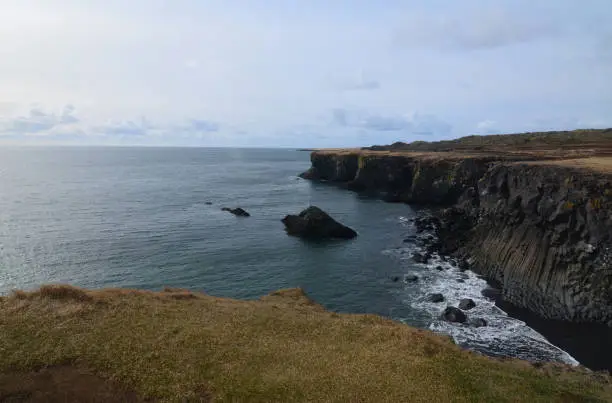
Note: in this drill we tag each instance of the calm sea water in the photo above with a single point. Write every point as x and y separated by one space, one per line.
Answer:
150 217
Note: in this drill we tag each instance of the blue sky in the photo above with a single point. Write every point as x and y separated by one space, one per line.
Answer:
299 74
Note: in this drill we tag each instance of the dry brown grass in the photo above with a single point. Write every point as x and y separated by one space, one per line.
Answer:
599 164
284 347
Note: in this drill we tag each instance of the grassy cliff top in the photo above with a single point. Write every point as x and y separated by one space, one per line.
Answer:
175 345
575 139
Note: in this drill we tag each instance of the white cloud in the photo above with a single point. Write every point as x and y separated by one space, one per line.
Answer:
417 124
481 28
208 69
37 122
486 127
360 82
191 64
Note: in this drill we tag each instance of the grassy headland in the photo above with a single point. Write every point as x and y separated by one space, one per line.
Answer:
182 346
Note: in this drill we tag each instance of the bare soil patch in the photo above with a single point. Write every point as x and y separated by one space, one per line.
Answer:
64 383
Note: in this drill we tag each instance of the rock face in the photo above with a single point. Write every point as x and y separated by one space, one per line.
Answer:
239 212
542 231
315 223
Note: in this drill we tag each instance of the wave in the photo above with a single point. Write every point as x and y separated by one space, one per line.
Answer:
503 336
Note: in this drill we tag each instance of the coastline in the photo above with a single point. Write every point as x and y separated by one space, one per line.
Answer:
533 225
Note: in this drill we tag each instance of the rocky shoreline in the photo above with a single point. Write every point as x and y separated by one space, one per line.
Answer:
540 229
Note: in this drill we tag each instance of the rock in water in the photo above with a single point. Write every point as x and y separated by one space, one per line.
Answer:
436 297
421 258
316 224
411 278
466 304
239 212
491 293
478 322
453 314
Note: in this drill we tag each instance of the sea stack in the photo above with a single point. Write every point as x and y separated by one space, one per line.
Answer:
315 223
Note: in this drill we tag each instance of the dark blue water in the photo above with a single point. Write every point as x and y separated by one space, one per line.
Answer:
138 217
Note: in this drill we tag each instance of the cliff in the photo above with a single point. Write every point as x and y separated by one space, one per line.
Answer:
64 344
540 227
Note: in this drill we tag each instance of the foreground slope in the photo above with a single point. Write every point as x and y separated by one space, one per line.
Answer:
181 346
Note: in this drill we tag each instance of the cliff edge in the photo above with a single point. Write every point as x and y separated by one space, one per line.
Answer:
537 220
61 343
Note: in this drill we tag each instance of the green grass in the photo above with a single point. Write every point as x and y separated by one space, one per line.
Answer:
176 345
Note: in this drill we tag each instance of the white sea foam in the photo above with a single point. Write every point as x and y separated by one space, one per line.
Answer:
503 335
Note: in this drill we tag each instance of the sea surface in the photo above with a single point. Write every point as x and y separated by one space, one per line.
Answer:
151 217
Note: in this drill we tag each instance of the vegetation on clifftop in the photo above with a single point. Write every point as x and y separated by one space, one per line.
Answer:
182 346
583 138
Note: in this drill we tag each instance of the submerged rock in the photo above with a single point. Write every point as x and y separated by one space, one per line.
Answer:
317 224
466 304
452 314
491 293
411 278
238 211
463 265
395 279
478 322
420 257
435 297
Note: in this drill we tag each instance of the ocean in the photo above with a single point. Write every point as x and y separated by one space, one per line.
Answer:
151 217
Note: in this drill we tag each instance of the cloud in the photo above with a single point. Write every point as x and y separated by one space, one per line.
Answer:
207 126
192 64
385 123
482 29
37 121
359 83
123 128
487 127
66 126
367 85
419 124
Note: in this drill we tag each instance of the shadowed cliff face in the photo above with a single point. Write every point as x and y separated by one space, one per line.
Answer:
544 232
399 178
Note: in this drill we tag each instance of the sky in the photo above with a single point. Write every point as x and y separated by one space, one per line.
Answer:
317 73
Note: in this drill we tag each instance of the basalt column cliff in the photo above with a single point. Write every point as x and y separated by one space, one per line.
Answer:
537 221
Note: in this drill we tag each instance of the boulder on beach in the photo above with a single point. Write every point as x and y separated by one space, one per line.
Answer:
238 211
452 314
316 224
466 304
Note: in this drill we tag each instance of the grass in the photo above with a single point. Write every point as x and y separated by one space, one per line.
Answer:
599 164
580 138
177 345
